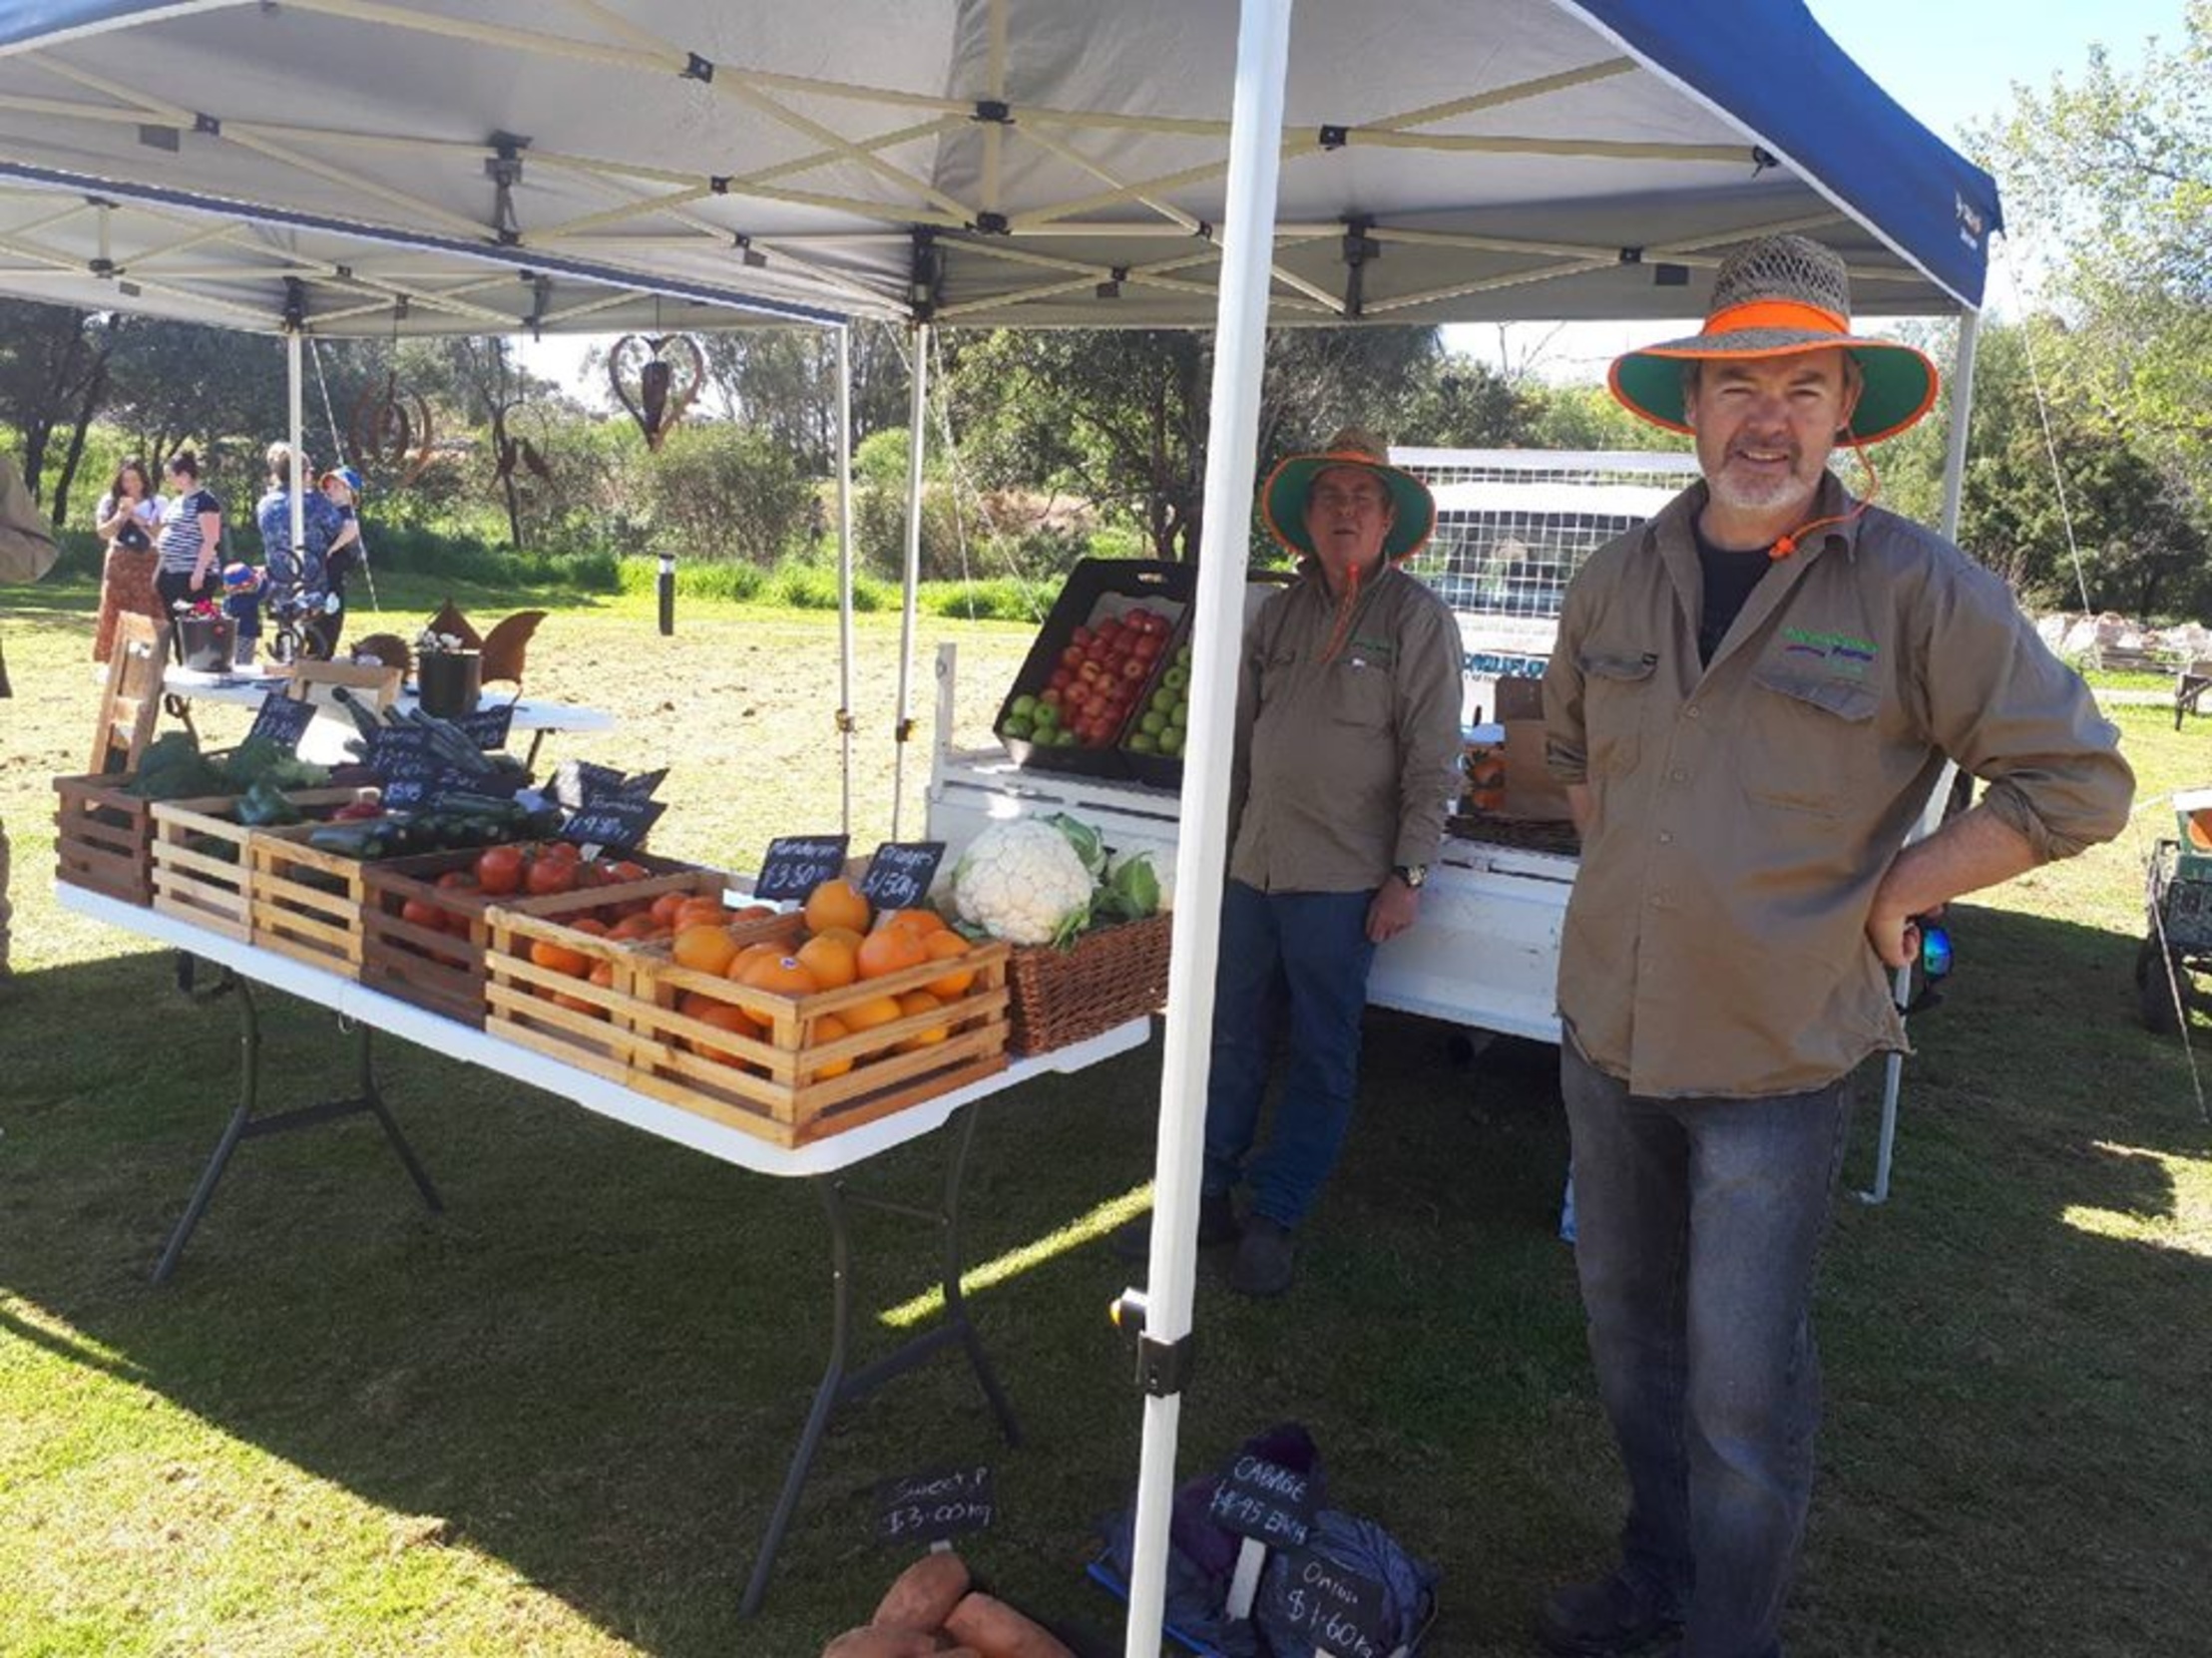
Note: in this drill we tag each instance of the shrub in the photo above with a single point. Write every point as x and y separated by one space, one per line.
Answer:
726 492
1002 598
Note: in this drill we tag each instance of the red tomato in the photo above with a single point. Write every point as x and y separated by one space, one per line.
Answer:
499 869
458 880
624 870
420 912
551 875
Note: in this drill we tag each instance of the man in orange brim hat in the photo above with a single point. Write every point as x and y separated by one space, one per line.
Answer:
1750 703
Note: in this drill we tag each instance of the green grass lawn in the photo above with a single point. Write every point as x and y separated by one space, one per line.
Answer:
553 1419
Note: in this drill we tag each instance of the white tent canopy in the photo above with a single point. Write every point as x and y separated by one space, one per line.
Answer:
1011 162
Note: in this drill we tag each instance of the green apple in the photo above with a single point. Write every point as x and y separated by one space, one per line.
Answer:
1024 706
1046 718
1177 678
1170 740
1153 722
1143 743
1017 729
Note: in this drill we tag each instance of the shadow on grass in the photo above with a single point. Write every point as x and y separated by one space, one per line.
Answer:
594 1367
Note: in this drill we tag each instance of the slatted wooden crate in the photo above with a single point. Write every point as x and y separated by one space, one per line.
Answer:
202 868
442 967
636 1029
306 903
104 838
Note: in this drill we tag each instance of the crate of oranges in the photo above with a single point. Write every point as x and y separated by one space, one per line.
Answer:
423 926
791 1025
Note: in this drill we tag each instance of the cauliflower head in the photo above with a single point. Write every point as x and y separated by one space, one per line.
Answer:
1020 881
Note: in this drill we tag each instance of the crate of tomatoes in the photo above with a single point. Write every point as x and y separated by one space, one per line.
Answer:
423 926
1085 678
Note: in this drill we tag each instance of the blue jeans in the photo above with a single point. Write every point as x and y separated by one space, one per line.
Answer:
1699 1222
1304 954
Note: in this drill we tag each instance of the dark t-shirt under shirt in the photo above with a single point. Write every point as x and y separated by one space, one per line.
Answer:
1729 578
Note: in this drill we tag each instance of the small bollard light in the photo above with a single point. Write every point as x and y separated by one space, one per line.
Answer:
665 587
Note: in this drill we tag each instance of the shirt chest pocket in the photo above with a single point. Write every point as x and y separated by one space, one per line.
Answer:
1806 742
1615 697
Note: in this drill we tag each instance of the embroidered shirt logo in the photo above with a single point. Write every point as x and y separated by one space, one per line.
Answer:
1834 648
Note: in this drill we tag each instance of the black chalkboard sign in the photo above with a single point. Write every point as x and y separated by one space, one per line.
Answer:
574 782
641 786
1264 1502
485 727
797 864
899 874
1337 1611
615 822
283 720
930 1508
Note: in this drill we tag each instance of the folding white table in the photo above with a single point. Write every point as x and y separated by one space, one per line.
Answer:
821 1161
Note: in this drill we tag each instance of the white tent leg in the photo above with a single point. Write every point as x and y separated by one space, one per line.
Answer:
917 439
844 573
295 387
1202 848
1931 815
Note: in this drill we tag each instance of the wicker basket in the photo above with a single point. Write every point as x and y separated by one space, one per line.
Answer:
1109 977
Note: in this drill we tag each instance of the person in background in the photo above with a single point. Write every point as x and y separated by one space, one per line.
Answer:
27 552
341 487
242 603
296 573
190 540
1750 703
128 518
1347 757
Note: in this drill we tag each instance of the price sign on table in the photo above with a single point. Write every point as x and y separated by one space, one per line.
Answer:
1342 1614
643 785
487 727
899 874
283 720
615 822
935 1507
575 783
797 864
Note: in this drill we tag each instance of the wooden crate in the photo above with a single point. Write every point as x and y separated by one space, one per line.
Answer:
631 1030
443 969
104 838
306 903
198 884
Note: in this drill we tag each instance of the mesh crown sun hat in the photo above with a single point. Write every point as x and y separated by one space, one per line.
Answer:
1282 499
1773 298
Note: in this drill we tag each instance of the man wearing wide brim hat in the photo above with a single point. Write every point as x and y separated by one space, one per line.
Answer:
1750 701
1347 746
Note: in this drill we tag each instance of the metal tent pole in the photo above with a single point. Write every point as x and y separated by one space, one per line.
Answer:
1201 847
844 570
916 439
293 389
1931 815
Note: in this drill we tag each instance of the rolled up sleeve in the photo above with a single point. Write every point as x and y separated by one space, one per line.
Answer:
2015 718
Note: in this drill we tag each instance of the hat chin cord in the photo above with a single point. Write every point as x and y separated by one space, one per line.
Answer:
1788 543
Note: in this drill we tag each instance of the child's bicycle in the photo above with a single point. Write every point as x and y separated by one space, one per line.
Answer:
294 614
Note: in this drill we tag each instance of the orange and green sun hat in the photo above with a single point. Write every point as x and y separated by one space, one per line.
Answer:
1283 498
1776 297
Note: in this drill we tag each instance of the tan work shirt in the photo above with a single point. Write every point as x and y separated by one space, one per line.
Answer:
1744 813
1344 767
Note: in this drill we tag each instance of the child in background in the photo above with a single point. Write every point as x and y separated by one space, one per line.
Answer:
242 601
341 487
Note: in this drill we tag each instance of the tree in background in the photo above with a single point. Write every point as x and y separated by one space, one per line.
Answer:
783 382
54 377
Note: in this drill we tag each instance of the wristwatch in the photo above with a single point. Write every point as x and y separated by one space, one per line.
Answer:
1412 874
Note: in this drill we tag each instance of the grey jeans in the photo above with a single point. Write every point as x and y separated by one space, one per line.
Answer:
1699 1223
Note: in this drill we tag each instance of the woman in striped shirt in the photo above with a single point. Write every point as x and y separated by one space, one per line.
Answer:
191 537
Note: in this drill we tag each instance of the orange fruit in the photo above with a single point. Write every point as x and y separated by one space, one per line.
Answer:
890 950
724 1017
752 912
576 1005
844 934
943 947
836 904
698 912
634 927
780 975
666 906
603 974
559 958
924 922
703 947
832 959
866 1016
920 1002
589 924
828 1029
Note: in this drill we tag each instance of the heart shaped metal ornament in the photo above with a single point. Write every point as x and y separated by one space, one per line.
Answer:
655 377
391 433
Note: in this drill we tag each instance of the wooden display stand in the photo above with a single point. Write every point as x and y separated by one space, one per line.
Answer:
132 702
203 858
370 682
